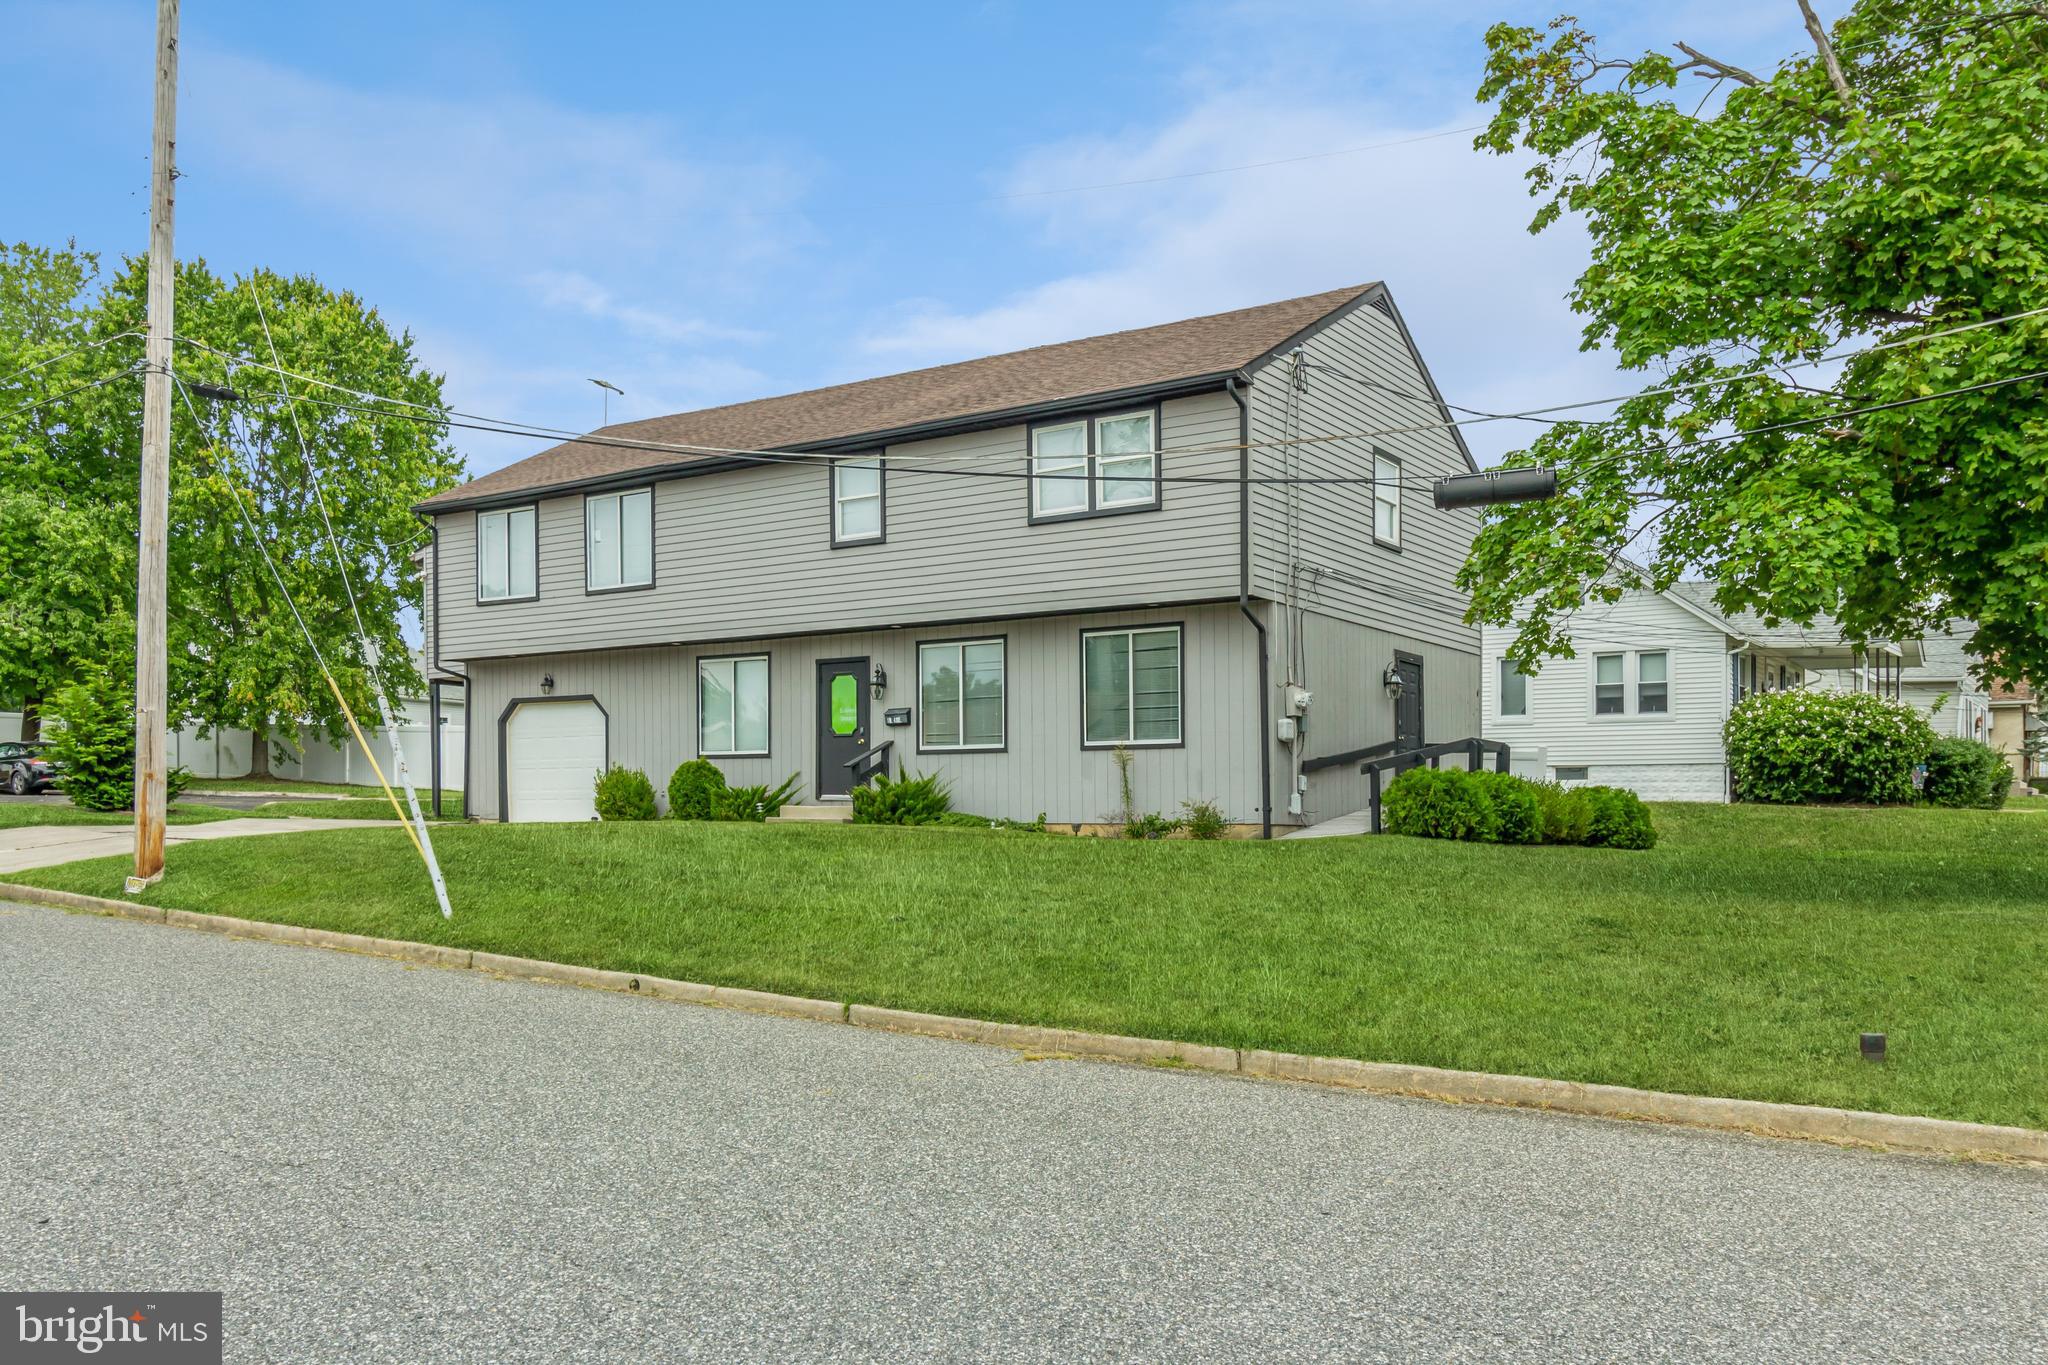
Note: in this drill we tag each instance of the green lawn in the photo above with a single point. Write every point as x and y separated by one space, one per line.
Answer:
361 807
280 784
15 814
1740 957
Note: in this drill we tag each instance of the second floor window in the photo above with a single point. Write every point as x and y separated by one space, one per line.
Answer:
1386 499
618 543
505 553
1095 464
856 501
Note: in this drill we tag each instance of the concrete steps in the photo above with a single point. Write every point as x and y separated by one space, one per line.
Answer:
837 813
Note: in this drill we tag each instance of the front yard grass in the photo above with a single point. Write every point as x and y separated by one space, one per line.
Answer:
361 807
1740 957
15 814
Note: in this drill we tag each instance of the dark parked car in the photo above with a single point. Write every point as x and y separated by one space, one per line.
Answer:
26 768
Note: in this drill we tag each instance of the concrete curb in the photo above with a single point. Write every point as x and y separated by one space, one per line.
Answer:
1895 1132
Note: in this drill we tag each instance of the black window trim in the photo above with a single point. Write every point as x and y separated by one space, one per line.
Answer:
917 717
476 536
881 536
697 663
1089 420
1180 678
653 567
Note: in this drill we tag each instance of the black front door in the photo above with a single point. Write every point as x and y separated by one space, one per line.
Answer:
842 723
1408 706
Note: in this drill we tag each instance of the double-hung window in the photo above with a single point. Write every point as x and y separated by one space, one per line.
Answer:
1653 683
960 694
1131 686
505 553
732 706
618 540
1514 689
1095 464
1610 692
1386 500
856 501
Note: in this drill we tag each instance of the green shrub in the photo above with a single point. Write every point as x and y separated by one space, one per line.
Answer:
1618 818
1966 772
1567 814
1151 825
1203 820
908 800
1438 803
1801 746
695 790
1517 810
94 740
755 803
624 794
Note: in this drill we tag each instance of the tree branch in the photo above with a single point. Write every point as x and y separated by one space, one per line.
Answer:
1827 52
1699 58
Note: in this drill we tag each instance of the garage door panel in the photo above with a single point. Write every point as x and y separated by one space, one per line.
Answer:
554 751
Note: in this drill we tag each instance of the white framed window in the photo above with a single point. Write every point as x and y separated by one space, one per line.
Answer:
732 706
618 540
1386 499
961 694
857 516
1131 686
1514 689
505 555
1653 683
1610 691
1095 464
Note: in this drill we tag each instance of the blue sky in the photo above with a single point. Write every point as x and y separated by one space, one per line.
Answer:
705 204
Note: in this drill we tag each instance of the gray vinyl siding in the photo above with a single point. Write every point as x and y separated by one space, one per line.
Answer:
749 552
1343 573
650 696
1345 663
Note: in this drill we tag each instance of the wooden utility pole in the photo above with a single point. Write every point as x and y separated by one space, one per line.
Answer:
152 702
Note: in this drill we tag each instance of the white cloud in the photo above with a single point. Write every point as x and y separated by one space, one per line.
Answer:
578 292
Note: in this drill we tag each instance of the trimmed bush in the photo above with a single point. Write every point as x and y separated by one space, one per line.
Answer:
1438 803
1966 772
1566 813
755 803
1617 818
695 790
1517 810
1791 748
94 740
624 794
908 800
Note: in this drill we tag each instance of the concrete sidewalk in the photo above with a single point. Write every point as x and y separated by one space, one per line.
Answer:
48 845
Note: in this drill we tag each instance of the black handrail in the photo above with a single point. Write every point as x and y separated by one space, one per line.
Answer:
1310 765
867 764
1401 762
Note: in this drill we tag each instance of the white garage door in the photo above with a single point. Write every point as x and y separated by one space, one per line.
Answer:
554 751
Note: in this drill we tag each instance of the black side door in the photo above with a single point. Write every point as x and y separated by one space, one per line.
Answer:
842 723
1408 707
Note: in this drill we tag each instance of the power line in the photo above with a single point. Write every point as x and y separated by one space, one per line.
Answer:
66 355
26 408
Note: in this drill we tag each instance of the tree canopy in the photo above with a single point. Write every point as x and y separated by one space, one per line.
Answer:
1873 195
70 435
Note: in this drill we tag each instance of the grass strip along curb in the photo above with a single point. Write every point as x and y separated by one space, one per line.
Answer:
1899 1132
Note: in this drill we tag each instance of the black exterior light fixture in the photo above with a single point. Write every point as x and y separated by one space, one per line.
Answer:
1391 680
879 682
1872 1046
1495 486
547 683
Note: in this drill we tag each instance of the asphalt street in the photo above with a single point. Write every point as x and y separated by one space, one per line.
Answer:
376 1162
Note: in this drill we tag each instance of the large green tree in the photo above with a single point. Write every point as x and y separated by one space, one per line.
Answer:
1883 187
243 482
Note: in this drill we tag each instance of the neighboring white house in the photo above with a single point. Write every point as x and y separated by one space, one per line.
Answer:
1643 704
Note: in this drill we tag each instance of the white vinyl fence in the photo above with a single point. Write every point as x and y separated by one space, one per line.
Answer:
226 753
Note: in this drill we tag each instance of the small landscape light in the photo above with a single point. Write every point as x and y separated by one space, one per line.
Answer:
1872 1045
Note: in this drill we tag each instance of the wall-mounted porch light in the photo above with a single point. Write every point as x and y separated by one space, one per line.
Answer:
1391 680
547 683
879 682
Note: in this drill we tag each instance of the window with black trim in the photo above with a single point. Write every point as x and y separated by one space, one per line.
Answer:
1386 499
732 706
618 540
505 554
1095 464
960 694
1130 686
856 501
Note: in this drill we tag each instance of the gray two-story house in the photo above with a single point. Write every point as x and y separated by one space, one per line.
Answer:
1209 542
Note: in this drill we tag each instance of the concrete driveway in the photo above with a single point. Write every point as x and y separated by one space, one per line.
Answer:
378 1162
48 845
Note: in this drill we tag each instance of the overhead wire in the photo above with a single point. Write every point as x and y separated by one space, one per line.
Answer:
48 361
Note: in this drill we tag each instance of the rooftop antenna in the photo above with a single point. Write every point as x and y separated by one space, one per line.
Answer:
609 390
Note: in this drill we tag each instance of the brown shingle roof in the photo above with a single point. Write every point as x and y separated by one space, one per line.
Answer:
1146 357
